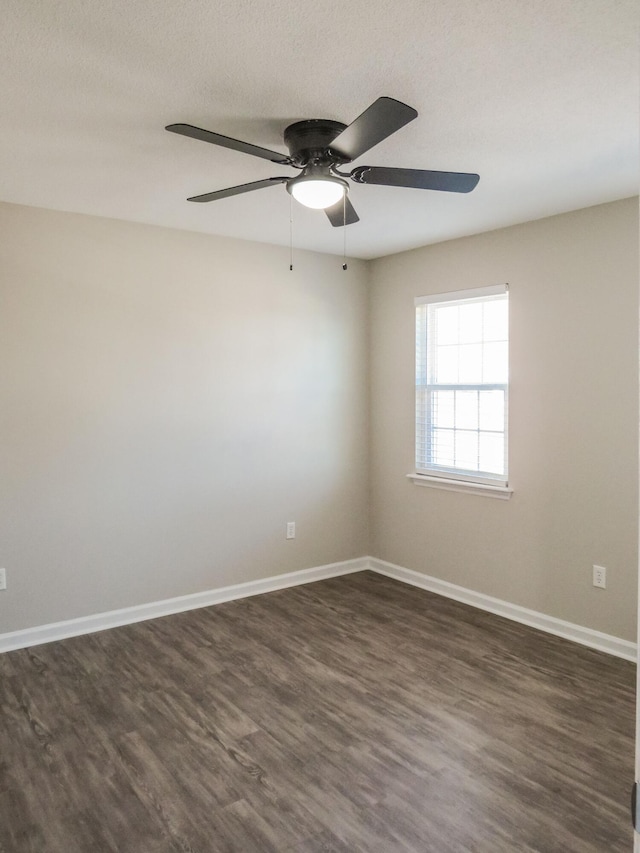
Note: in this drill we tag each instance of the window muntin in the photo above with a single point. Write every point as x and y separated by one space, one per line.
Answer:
462 342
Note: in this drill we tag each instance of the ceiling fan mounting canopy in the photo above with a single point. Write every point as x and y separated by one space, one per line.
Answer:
318 146
309 141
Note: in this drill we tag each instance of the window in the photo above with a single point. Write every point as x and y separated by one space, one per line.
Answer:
462 359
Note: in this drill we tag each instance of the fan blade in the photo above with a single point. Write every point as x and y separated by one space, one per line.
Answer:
381 119
342 213
242 188
227 142
421 179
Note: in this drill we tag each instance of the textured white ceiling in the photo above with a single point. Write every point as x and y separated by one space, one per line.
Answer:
540 97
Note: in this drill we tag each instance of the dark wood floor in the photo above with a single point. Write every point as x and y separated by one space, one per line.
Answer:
354 714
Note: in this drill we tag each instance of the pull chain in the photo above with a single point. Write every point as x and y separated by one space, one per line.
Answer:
290 233
344 230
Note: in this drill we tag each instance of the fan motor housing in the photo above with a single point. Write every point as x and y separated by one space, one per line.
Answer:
308 141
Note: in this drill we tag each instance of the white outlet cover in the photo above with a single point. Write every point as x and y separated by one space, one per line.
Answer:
600 577
3 578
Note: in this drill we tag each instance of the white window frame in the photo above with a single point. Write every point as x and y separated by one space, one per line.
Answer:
453 478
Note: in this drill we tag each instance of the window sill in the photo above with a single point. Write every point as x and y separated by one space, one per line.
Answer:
500 492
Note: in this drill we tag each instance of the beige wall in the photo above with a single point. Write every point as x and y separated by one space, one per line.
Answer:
573 419
168 401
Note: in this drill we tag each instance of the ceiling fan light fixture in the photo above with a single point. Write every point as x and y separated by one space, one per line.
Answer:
317 192
319 147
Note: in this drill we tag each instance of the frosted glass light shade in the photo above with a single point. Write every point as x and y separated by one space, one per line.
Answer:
317 193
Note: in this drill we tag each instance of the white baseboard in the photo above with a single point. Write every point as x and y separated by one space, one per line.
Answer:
585 636
128 615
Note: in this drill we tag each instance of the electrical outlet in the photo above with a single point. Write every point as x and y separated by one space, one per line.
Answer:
3 578
600 577
291 530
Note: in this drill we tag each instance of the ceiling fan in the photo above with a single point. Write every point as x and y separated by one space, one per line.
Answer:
320 147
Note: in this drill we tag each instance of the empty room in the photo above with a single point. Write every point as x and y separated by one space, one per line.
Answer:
319 427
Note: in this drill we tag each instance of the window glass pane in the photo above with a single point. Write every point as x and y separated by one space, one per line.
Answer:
470 364
466 444
461 348
421 345
471 323
446 365
421 408
466 409
446 324
421 367
491 410
443 408
491 446
494 363
442 447
495 320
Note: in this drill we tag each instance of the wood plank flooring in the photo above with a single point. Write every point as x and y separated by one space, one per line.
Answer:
355 715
